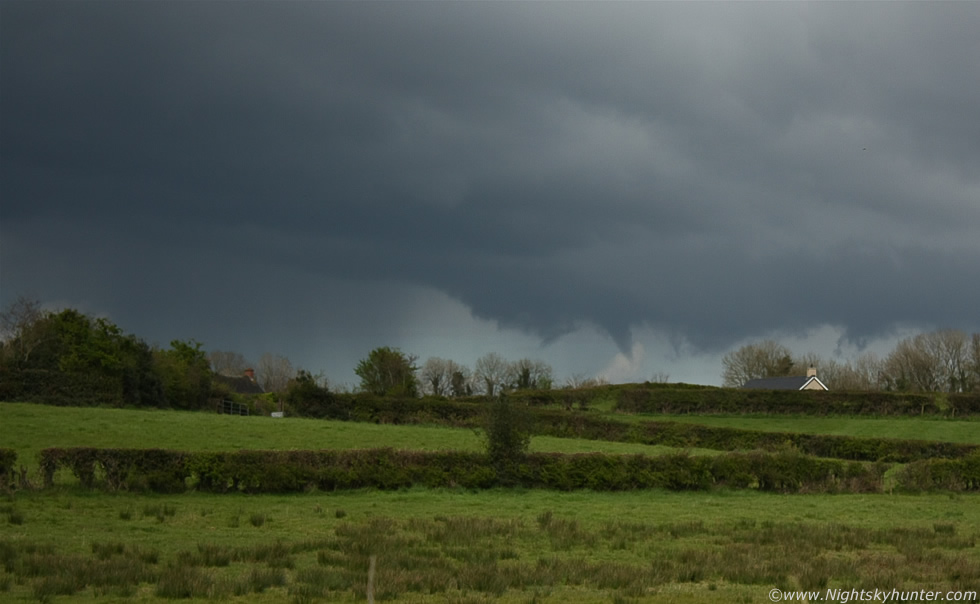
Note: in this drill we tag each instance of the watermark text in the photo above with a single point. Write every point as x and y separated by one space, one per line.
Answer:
871 595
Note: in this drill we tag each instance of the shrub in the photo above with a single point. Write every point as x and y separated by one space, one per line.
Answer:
941 474
507 433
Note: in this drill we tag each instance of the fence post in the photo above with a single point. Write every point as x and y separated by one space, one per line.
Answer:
370 585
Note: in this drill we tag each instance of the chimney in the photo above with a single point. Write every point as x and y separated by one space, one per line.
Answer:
250 374
811 372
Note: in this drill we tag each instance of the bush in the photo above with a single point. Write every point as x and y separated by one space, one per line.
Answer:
507 433
941 474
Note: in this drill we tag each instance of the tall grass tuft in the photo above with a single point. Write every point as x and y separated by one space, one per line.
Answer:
181 582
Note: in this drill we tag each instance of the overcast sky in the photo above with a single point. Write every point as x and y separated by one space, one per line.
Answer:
624 189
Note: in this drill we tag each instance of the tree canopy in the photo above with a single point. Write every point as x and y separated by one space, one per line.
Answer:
388 372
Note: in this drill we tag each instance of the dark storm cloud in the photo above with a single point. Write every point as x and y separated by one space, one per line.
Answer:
716 171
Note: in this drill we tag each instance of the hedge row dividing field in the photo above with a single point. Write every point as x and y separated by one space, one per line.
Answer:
302 526
668 400
683 435
158 470
564 423
165 471
567 423
593 426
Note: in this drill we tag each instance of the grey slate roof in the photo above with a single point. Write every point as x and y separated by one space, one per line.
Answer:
790 382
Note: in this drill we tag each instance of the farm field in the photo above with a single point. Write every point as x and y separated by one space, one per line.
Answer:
68 544
904 428
29 428
498 545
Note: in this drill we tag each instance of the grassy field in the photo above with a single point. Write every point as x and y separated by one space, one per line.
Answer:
66 544
905 428
500 545
29 428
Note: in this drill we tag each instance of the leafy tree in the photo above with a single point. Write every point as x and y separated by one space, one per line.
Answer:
103 363
388 372
185 374
309 396
508 433
141 384
87 344
460 383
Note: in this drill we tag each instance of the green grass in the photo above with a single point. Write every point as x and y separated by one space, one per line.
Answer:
939 429
498 545
29 428
513 546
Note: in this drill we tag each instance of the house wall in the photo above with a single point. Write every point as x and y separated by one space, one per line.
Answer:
813 385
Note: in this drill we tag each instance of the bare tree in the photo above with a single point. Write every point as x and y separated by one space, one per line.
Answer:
868 369
861 374
226 362
974 362
909 367
660 377
938 361
436 377
274 371
835 374
581 381
530 374
491 372
752 361
444 377
948 348
20 328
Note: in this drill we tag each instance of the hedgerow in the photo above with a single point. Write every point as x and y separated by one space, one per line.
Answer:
389 410
296 471
567 424
682 435
941 474
639 399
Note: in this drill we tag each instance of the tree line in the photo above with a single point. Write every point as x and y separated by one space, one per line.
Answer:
946 360
390 372
68 356
92 357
